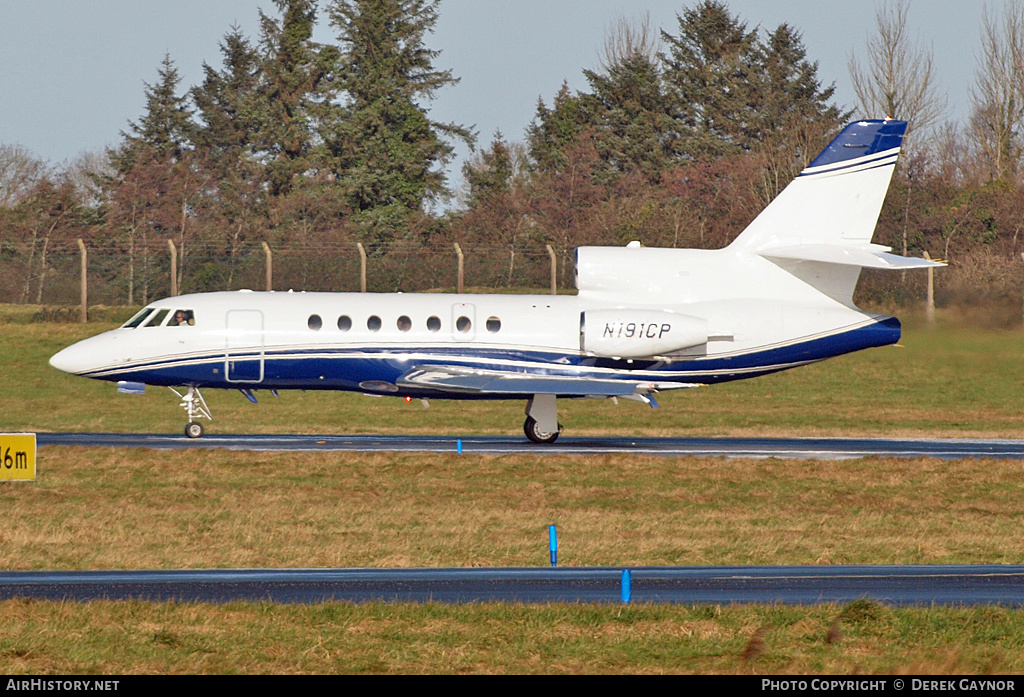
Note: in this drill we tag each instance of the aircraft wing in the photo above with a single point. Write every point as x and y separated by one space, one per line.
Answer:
458 379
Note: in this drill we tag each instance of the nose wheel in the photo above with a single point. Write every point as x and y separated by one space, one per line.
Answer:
195 407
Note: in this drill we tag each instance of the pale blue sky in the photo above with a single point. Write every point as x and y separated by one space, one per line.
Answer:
72 71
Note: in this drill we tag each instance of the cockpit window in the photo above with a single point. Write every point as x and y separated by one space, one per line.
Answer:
182 318
137 319
157 319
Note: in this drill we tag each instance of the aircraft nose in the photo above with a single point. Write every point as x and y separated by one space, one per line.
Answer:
67 360
75 359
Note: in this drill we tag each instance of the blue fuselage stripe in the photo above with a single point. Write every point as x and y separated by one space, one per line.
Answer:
345 367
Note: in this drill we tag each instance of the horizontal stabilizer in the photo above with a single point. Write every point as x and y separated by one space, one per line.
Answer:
461 380
869 256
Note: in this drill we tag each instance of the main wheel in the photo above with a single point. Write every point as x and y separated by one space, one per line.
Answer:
535 434
193 429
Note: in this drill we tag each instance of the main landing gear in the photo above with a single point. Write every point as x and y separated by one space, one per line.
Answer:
195 406
534 432
541 424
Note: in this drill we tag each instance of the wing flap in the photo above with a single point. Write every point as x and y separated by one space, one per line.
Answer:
461 380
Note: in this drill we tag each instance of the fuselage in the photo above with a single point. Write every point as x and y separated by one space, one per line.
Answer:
366 341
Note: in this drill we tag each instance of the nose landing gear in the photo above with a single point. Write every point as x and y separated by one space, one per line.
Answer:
195 406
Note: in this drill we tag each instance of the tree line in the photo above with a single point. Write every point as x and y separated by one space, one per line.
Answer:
679 138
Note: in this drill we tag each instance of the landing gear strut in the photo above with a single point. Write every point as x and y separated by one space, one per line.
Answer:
541 424
195 406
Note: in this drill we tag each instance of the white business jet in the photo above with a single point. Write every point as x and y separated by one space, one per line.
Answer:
645 320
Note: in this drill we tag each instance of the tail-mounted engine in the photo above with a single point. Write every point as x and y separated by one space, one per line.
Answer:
610 273
639 333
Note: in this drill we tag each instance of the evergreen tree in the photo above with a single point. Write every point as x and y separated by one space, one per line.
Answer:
792 90
387 155
297 87
165 130
624 110
230 108
718 90
490 172
796 118
227 101
713 76
626 107
157 163
554 129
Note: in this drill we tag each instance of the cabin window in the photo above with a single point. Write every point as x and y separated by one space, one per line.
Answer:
463 324
373 323
493 325
314 322
182 318
137 319
434 324
404 323
158 318
344 323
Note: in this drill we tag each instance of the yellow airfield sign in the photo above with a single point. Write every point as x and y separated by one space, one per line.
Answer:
17 456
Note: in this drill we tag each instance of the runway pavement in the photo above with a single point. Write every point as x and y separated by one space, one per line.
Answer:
805 448
896 585
891 585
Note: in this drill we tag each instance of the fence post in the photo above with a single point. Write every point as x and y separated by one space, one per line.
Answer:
929 308
362 267
174 267
458 252
554 271
270 265
85 281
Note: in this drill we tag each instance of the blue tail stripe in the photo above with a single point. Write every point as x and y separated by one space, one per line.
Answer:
861 139
854 165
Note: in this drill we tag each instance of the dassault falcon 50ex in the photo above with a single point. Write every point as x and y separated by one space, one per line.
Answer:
644 320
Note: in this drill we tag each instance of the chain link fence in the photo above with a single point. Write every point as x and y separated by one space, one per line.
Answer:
52 275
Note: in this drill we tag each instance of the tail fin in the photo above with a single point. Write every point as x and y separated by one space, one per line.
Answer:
837 198
828 214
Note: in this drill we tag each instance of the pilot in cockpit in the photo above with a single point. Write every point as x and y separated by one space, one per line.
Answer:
182 318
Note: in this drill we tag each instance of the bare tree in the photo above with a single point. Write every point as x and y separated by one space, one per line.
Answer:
87 172
997 115
898 80
20 170
626 38
952 157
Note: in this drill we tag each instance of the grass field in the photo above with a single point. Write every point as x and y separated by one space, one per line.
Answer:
860 639
104 508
